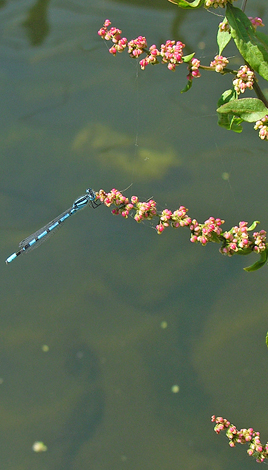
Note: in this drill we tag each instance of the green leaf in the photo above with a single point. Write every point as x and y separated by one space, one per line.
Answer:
253 225
262 37
250 45
229 121
188 86
248 109
187 58
223 38
259 264
267 339
185 4
227 96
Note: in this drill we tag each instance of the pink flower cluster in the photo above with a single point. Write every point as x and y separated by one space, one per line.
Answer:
114 35
259 241
219 63
136 46
145 210
193 68
221 423
224 27
244 79
256 21
175 219
262 127
151 58
204 233
242 436
236 240
171 52
123 206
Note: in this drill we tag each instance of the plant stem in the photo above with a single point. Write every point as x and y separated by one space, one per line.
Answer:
244 5
260 94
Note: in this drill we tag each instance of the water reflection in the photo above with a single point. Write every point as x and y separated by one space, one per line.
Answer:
86 407
36 24
115 148
81 425
82 363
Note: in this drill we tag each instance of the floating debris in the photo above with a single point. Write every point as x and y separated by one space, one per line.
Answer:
39 446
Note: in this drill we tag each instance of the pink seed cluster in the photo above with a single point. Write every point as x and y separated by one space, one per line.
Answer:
145 210
224 27
114 35
256 21
174 219
193 68
204 233
122 203
244 79
236 240
259 241
151 58
242 436
219 63
170 53
262 127
137 46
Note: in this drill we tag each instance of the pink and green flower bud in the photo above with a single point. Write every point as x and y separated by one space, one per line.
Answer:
256 21
160 228
136 46
171 53
244 79
193 67
115 211
262 126
224 27
219 63
134 199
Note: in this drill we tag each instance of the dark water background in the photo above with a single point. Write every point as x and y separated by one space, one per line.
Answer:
97 293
